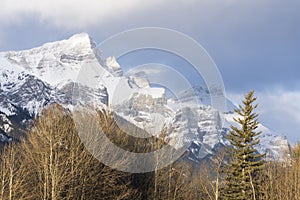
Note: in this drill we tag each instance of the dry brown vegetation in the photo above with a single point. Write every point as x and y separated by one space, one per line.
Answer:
282 179
51 162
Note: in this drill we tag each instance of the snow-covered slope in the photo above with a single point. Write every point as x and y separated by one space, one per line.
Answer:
273 144
32 79
54 63
36 77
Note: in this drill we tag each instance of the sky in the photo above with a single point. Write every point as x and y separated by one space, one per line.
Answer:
255 44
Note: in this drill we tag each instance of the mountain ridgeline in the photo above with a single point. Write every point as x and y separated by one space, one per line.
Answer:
33 79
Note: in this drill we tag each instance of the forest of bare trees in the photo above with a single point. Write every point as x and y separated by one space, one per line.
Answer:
51 162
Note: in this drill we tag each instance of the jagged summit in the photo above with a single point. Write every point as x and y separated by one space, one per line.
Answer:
203 96
53 62
77 41
83 39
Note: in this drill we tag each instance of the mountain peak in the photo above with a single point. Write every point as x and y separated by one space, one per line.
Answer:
53 62
83 38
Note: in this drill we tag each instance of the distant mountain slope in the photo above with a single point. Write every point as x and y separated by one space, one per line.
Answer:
32 79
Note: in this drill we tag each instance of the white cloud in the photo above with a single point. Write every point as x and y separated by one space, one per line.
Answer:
79 14
147 70
163 75
71 13
281 102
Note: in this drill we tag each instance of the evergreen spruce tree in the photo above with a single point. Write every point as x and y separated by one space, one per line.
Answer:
245 163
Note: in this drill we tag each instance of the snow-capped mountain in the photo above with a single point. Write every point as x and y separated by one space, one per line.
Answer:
32 79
